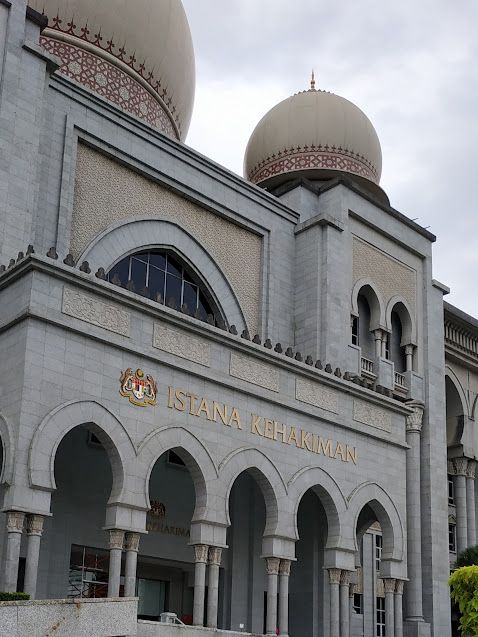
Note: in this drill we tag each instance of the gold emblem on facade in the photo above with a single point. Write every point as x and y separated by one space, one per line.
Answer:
141 390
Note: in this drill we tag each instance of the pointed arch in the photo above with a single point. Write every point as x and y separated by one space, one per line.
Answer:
195 456
270 483
125 237
59 422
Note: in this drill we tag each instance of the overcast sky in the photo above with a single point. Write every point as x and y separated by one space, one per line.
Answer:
412 67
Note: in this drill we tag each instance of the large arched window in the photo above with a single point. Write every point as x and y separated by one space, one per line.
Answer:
163 277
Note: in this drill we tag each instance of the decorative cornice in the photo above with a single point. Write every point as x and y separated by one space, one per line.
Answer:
313 157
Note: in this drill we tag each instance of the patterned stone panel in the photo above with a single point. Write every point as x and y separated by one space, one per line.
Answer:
106 192
389 275
317 395
88 308
252 371
181 344
372 415
110 82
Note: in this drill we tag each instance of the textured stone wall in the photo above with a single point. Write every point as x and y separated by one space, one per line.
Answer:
389 275
106 192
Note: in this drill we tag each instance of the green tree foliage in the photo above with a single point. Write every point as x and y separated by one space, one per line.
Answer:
464 591
13 597
468 557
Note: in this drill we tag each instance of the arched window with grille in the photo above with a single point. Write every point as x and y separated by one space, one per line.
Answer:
162 276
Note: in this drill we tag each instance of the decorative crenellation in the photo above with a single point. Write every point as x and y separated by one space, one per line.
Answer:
415 418
461 466
131 541
272 565
312 157
284 567
35 524
201 553
334 575
15 520
116 539
215 555
389 584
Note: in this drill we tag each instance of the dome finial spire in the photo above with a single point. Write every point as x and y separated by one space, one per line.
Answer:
312 81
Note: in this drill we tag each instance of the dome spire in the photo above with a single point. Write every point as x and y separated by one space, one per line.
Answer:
312 81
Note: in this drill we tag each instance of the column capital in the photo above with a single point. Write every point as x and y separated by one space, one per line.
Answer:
272 565
345 577
15 520
471 469
450 467
131 541
215 555
35 524
409 349
389 584
352 589
415 419
334 575
399 583
201 553
116 539
284 567
460 465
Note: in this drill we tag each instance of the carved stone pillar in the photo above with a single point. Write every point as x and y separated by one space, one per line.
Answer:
389 585
116 549
272 569
470 503
351 607
201 552
334 585
131 548
461 465
15 521
398 608
414 601
379 343
345 577
34 532
284 573
215 555
409 357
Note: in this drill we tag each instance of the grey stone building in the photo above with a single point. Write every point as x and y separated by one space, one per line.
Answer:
226 397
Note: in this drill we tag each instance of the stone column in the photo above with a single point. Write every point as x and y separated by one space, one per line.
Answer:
389 585
284 573
398 608
344 603
470 503
414 602
272 568
15 521
334 584
200 557
351 607
461 465
34 532
116 549
379 345
409 357
131 547
215 554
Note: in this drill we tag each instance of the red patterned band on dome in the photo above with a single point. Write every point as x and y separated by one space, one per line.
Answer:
310 158
110 82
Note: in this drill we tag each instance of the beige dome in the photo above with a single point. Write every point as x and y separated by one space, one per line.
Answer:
314 134
138 54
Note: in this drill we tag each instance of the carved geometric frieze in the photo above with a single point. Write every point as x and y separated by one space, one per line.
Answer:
181 344
90 309
372 415
252 371
318 395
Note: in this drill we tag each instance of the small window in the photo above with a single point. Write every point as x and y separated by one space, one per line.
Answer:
451 490
380 617
378 551
355 330
358 603
452 537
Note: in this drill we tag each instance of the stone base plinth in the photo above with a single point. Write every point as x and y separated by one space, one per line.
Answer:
416 629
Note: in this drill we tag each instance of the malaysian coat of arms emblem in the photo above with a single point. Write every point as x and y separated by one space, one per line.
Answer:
141 390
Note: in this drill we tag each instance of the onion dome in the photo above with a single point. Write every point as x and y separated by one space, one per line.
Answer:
138 55
313 134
